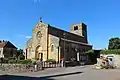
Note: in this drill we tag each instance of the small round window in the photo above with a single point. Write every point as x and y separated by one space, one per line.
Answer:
39 35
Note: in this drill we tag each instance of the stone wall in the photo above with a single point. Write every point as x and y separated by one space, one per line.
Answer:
17 68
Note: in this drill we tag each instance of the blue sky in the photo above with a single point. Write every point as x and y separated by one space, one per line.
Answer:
18 17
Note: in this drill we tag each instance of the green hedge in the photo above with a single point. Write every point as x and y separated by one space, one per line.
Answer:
28 61
51 60
112 51
34 62
11 58
12 61
90 51
5 60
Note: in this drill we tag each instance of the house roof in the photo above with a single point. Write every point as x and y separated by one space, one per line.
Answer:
2 44
7 44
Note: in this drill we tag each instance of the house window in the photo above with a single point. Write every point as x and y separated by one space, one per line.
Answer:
75 27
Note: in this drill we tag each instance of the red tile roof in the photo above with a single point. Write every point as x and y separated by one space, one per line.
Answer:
2 43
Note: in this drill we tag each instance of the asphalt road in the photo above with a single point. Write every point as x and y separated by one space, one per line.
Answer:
71 73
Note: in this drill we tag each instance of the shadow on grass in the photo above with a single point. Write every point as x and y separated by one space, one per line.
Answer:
14 77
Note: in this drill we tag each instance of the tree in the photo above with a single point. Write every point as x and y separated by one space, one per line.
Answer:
114 43
19 54
111 51
92 56
90 51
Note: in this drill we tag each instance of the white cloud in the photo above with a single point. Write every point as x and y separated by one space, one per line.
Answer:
25 36
35 1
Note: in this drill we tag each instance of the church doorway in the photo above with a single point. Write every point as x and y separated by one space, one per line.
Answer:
38 53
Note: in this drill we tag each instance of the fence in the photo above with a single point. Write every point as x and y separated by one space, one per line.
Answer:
51 65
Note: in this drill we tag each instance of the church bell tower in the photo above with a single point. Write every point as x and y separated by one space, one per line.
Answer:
79 29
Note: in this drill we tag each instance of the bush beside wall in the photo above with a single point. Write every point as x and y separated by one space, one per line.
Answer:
28 61
112 51
51 60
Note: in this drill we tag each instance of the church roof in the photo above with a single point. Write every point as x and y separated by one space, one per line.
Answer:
65 34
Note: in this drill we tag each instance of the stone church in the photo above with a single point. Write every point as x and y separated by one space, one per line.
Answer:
49 42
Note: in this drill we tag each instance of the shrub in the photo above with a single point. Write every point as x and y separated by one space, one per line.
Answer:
112 51
12 61
34 62
28 61
21 57
37 59
5 60
90 51
19 61
11 58
51 60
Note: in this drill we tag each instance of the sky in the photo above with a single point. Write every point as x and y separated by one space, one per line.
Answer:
18 17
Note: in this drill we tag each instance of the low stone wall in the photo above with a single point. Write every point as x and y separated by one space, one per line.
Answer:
15 68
